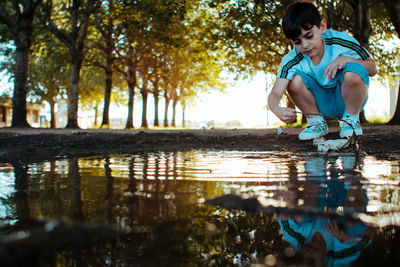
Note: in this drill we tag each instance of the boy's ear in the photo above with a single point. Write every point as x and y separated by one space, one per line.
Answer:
323 26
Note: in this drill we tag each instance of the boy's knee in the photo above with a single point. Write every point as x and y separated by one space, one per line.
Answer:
296 85
352 79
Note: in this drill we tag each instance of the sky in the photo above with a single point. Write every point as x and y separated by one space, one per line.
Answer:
244 101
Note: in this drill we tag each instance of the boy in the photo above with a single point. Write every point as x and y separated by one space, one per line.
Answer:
326 73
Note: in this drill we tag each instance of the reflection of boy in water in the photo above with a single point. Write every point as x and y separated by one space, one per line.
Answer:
326 241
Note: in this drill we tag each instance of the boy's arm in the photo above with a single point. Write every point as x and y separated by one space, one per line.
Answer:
340 62
286 115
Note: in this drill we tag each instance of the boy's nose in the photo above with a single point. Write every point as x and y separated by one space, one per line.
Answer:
306 44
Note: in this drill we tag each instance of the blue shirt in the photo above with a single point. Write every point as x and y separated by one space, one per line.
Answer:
336 44
337 253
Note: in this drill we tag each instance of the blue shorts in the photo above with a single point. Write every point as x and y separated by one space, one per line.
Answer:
330 101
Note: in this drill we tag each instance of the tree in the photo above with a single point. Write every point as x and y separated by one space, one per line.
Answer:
393 8
131 79
104 21
365 20
253 39
192 63
249 33
165 30
195 70
144 70
18 17
91 96
128 50
49 72
362 27
167 97
156 81
73 36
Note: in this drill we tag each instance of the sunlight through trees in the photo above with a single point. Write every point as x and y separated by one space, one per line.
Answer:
93 53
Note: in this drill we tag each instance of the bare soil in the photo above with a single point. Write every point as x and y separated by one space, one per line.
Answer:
32 145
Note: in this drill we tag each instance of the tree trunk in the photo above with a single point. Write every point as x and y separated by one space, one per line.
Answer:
53 123
183 115
131 88
107 32
145 94
131 80
23 43
129 120
96 113
74 40
156 101
20 26
174 103
107 93
73 99
362 29
144 109
362 26
156 94
167 101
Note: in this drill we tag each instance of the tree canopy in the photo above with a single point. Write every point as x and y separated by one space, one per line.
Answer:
173 50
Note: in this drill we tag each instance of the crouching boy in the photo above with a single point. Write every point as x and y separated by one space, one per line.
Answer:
327 73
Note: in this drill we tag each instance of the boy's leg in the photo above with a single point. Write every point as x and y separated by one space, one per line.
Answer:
304 99
354 90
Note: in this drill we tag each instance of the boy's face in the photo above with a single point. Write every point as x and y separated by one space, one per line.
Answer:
310 42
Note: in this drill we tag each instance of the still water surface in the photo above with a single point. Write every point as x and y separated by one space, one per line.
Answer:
336 210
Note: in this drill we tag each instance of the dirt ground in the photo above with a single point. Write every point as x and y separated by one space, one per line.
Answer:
32 145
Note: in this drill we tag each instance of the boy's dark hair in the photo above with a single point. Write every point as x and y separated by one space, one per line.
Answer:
300 15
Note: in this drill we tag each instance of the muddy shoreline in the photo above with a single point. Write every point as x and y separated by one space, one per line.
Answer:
32 145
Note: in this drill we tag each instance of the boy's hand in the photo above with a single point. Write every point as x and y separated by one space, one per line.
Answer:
334 229
336 65
287 115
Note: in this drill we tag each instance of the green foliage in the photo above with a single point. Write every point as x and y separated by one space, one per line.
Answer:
92 87
185 45
49 72
340 16
251 34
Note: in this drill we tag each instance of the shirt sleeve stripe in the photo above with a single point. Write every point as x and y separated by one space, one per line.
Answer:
351 250
290 64
300 239
361 51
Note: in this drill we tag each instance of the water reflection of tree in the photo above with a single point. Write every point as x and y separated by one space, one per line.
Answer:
132 199
21 195
384 250
175 230
166 225
109 190
208 237
76 193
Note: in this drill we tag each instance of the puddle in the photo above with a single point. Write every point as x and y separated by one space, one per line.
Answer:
346 205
